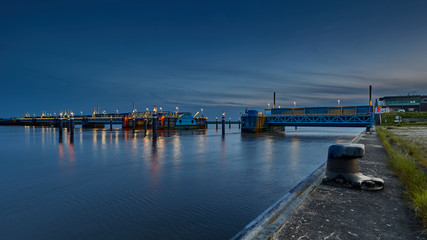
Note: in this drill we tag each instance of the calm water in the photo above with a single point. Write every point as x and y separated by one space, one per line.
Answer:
121 185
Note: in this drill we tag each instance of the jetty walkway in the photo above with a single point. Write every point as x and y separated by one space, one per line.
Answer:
338 213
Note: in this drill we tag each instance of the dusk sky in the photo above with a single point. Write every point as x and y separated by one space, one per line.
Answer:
216 55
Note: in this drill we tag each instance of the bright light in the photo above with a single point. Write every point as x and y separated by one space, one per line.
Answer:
295 104
339 102
268 105
117 111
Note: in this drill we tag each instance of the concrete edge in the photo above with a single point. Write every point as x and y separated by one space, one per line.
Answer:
272 219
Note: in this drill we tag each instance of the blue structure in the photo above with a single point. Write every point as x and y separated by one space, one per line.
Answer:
276 118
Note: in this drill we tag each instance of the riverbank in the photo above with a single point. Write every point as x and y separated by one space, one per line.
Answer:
337 213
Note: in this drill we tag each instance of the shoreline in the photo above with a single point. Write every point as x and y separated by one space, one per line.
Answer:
320 211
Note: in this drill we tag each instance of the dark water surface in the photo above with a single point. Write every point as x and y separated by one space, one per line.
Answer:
121 185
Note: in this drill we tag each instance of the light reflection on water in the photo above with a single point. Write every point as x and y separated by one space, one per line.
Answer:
123 185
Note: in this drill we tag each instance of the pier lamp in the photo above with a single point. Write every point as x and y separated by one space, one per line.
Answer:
161 109
295 104
117 111
147 109
202 111
177 109
339 102
60 114
268 105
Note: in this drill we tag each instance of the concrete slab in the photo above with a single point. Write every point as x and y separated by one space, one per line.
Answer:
338 213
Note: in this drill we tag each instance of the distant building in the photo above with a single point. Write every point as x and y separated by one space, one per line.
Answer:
410 103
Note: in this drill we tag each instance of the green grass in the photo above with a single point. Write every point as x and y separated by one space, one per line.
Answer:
387 119
405 165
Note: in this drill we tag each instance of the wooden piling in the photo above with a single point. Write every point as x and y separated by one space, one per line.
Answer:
223 123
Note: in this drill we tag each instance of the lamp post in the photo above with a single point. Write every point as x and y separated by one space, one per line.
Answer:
295 104
339 102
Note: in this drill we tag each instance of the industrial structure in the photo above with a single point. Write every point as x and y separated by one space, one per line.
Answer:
409 103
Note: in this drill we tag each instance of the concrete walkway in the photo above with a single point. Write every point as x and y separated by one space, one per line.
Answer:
339 213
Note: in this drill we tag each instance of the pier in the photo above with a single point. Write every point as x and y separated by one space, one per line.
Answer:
134 120
276 119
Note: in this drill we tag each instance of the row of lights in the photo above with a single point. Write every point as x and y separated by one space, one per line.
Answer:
104 112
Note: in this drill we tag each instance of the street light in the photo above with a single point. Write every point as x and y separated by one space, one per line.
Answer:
161 109
295 104
268 105
177 109
339 102
117 111
202 112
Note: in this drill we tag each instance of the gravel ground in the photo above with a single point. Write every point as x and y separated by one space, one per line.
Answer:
416 134
339 213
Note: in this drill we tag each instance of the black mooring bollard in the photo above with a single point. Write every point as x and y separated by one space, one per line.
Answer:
342 168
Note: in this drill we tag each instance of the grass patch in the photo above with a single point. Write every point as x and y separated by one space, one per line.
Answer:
404 163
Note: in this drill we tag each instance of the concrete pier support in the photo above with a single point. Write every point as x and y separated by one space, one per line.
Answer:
155 124
71 129
60 126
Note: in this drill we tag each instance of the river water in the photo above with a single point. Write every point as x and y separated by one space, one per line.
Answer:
104 184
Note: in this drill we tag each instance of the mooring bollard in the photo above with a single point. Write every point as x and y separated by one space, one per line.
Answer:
342 168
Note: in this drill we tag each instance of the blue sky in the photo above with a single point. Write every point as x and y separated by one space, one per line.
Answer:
216 55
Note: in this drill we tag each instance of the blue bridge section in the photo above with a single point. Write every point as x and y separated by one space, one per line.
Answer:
273 119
